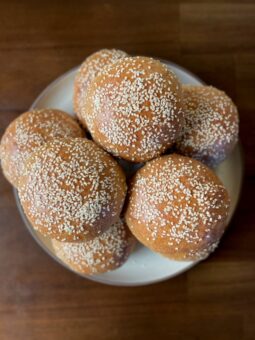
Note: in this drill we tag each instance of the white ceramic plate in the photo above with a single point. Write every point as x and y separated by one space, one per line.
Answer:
144 266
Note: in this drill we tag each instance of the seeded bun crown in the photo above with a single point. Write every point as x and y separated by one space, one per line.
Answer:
133 108
72 190
29 131
210 129
177 207
103 253
89 69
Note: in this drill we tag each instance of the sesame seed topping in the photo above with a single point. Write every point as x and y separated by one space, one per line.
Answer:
29 131
210 128
72 189
105 252
178 205
89 69
132 108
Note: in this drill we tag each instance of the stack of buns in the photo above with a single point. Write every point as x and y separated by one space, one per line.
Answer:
73 188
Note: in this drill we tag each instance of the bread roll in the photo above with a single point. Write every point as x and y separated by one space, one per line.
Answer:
104 253
88 70
210 129
72 190
29 131
177 207
133 108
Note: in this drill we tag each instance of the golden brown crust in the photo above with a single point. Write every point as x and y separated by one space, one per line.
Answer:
72 190
177 207
104 253
88 70
29 131
133 108
210 129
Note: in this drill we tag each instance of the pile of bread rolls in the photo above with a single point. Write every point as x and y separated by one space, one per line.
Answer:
69 174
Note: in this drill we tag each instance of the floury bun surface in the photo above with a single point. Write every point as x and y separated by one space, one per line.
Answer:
28 132
210 129
177 207
72 190
88 70
133 108
105 252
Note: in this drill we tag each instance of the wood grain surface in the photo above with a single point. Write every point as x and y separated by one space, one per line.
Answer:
39 299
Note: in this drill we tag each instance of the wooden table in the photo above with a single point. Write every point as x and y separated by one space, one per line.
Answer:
39 299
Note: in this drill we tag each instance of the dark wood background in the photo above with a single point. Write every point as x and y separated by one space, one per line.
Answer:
41 300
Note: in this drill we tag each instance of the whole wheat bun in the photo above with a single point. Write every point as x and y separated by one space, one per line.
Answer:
88 70
210 129
72 190
104 253
29 131
133 108
177 207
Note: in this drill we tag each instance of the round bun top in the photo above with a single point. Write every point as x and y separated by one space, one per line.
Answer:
89 69
29 131
210 124
72 190
177 207
101 254
132 108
